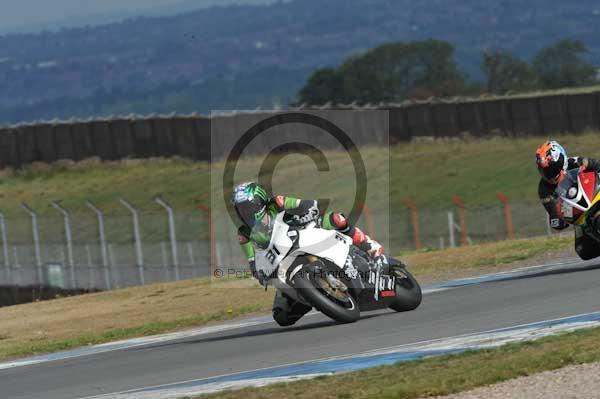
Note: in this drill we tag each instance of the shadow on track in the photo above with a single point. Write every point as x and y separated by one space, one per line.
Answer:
257 333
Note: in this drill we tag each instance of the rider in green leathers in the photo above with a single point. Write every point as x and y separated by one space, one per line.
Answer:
256 209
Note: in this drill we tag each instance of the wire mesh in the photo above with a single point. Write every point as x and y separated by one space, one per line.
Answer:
193 245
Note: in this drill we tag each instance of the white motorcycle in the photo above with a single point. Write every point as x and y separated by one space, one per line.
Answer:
321 268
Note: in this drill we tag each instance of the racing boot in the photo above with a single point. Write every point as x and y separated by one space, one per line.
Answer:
286 311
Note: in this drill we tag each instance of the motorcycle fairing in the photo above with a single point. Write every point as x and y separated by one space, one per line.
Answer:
269 259
588 185
327 244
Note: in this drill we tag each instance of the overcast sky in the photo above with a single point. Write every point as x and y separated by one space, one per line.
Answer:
19 14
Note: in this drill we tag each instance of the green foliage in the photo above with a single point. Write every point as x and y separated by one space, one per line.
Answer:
505 73
389 73
399 71
563 65
323 86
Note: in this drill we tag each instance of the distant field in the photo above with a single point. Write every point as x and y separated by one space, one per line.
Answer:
428 172
531 94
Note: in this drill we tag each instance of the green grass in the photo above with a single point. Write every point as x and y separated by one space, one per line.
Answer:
426 172
441 375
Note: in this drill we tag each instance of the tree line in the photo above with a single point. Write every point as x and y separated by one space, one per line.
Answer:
400 71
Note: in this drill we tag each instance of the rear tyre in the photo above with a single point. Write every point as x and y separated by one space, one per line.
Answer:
408 293
316 288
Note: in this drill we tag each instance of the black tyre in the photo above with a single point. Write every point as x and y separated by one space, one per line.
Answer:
312 284
408 293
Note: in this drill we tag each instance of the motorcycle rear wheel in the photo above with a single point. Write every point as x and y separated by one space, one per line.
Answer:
408 293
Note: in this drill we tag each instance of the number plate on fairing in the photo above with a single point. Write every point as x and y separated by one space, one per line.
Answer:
268 260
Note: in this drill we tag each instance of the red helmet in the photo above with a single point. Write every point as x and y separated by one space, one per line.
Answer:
552 161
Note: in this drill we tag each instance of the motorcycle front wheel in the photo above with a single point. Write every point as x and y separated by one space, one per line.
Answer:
328 293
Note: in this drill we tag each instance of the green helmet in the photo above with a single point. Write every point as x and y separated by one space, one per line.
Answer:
250 203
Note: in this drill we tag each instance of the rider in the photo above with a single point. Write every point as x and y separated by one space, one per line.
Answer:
552 163
256 210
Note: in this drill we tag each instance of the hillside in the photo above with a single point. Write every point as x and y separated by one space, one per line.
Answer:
222 57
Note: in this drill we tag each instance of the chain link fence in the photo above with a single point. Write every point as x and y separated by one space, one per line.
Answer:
98 251
91 250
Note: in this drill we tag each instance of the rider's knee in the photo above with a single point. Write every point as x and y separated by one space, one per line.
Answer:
286 311
282 317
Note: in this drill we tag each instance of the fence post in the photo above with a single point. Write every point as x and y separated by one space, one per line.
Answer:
36 241
69 238
5 248
462 215
138 239
91 275
452 241
172 234
211 234
190 251
412 205
103 248
507 215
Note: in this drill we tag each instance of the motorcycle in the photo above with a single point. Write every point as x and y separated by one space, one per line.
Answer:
321 268
579 201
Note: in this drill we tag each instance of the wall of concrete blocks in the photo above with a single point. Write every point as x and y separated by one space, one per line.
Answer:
190 136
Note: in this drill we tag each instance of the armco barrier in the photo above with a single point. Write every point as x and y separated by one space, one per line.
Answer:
189 136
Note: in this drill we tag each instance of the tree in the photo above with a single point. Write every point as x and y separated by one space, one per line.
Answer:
389 73
323 86
563 65
506 73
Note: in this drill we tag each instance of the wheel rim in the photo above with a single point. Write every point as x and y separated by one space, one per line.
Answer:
335 290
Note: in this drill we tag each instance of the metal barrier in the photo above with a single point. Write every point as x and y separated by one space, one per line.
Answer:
94 250
189 136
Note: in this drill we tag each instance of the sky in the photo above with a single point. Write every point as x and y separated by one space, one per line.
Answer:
31 15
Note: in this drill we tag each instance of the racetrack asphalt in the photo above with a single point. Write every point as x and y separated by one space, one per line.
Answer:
570 290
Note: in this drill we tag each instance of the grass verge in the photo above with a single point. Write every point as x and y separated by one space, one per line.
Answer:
72 322
430 266
441 375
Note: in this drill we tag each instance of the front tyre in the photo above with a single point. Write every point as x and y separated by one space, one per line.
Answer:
326 293
408 292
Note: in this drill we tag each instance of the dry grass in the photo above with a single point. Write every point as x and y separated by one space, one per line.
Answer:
171 305
432 266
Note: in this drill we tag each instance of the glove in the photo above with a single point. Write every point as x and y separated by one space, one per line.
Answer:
372 247
311 214
262 278
260 275
380 260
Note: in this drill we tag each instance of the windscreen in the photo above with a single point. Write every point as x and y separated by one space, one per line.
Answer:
568 187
